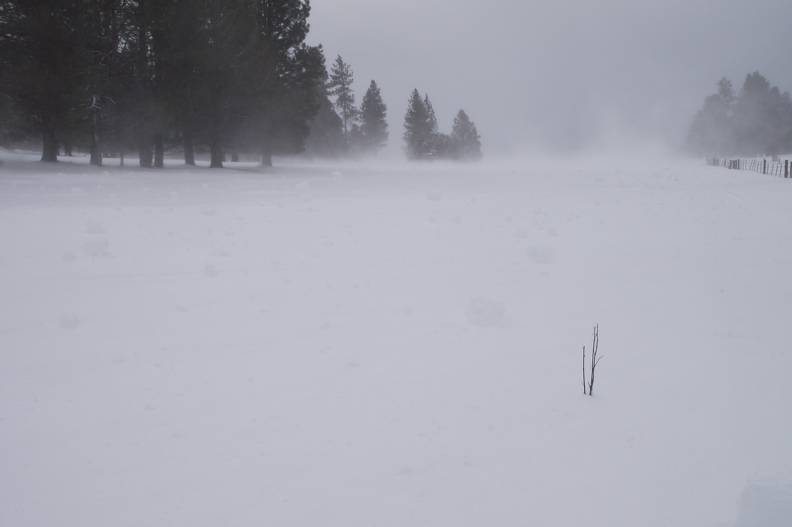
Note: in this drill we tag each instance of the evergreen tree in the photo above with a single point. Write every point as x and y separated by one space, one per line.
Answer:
180 52
326 130
762 116
418 128
756 122
430 111
289 76
340 86
284 124
466 142
40 52
105 76
711 131
326 137
726 91
147 48
373 115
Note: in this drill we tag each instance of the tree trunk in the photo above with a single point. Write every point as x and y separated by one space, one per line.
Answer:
146 154
49 145
189 149
159 151
266 156
96 154
217 155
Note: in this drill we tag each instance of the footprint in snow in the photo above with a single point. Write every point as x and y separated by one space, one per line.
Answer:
97 248
70 322
540 255
485 312
93 227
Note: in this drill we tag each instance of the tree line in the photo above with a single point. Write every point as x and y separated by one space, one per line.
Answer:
117 76
120 75
424 140
340 128
755 121
113 77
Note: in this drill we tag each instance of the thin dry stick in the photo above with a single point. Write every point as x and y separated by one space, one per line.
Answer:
594 359
584 370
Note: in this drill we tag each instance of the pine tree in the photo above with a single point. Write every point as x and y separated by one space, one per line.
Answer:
373 114
756 122
418 130
326 130
430 111
326 137
340 86
285 123
286 86
40 50
106 75
760 115
726 90
465 140
712 129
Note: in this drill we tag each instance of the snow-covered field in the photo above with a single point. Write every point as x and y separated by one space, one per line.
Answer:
400 346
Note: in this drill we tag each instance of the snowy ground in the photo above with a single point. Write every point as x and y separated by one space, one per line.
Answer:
352 346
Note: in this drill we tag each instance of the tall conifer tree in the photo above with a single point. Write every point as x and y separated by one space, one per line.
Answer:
417 127
465 139
373 115
340 86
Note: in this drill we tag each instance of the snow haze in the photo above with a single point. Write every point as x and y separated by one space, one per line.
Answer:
570 75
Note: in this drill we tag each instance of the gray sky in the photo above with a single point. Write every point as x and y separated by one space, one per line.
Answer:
541 73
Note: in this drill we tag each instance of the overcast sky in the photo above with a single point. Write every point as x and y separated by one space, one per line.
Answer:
540 73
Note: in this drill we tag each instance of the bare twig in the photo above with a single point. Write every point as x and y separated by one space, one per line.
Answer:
584 370
595 358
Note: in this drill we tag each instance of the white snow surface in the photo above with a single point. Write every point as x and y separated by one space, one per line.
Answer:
395 346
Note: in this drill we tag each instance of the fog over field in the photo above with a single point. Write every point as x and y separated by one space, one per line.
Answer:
560 75
537 274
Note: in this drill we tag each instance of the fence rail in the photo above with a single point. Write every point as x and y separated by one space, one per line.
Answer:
762 166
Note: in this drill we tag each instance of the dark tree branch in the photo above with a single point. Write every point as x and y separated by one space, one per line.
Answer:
584 370
595 358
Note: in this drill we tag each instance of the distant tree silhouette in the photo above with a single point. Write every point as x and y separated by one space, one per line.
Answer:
373 117
418 128
340 86
326 137
758 121
425 141
431 113
465 138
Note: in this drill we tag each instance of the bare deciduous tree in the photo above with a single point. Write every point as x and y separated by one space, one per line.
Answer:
595 358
